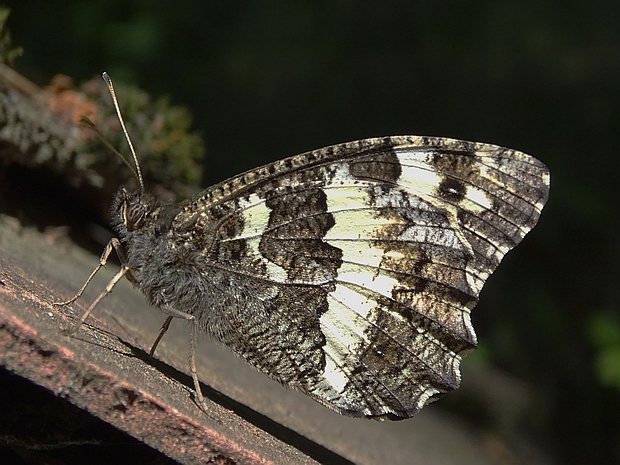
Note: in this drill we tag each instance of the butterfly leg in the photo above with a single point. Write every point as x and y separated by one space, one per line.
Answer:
173 313
162 331
113 244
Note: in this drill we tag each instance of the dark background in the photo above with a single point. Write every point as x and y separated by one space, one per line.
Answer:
265 80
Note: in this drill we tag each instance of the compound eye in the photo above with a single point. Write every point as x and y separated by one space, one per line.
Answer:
133 214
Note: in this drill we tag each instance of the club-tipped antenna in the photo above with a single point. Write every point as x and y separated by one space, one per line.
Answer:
137 171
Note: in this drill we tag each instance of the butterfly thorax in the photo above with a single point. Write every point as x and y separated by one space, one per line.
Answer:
171 272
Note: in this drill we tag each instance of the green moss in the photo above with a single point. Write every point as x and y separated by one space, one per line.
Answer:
8 54
604 331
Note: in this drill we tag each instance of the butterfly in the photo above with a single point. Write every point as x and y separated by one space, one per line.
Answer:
347 273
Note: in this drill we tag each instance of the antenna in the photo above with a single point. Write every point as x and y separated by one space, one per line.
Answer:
137 172
87 122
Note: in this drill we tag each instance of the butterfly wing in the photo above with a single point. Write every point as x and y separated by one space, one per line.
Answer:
349 272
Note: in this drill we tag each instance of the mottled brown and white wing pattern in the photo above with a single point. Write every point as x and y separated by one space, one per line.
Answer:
349 273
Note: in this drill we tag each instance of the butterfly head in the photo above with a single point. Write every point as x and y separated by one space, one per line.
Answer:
130 211
140 212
